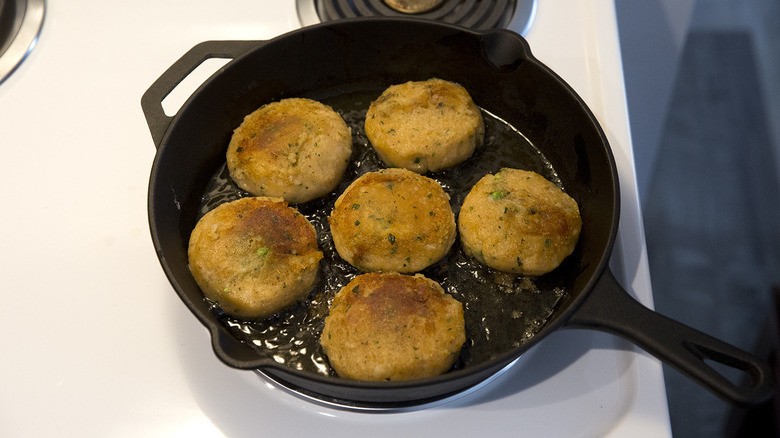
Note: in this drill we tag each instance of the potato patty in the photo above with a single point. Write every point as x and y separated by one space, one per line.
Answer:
296 149
516 221
391 326
393 220
425 126
254 256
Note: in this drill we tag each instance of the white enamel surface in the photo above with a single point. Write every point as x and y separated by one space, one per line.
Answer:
96 343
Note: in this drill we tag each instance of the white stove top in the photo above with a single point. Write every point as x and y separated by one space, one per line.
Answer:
96 343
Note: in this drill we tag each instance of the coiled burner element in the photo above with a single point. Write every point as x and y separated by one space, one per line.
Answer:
474 14
413 6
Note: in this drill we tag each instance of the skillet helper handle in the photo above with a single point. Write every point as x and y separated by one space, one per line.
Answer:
151 102
611 309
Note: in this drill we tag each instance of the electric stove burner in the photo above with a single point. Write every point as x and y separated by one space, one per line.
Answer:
358 406
20 24
474 14
413 6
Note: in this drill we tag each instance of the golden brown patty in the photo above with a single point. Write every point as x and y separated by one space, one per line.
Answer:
296 149
516 221
254 256
393 327
393 220
424 126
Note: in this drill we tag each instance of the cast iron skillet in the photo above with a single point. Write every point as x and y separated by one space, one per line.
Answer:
503 77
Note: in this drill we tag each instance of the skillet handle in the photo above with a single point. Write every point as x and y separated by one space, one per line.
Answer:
151 102
611 309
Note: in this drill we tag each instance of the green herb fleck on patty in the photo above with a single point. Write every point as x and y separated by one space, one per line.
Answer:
498 194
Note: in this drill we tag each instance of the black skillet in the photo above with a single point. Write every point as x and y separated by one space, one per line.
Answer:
345 64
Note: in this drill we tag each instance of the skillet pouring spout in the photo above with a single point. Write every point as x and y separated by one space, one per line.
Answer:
611 309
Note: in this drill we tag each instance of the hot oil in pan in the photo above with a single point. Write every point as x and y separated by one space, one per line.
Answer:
502 311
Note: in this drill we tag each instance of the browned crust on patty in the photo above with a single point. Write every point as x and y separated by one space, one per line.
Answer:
516 221
296 149
254 256
393 220
389 326
424 125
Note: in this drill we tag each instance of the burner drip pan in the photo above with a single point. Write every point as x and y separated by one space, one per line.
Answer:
474 14
413 6
20 24
358 406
